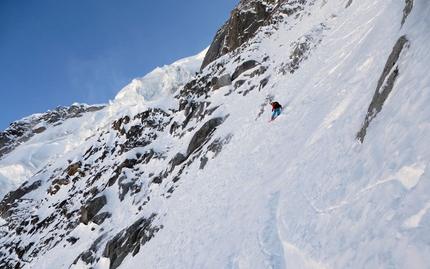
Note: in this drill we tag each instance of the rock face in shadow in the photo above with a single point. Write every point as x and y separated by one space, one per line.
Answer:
224 80
92 208
244 22
129 241
384 87
8 201
201 135
199 138
242 68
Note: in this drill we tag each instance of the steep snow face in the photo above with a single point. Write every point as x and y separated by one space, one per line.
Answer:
200 179
303 192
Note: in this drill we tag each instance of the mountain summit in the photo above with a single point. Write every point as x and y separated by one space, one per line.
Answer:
183 170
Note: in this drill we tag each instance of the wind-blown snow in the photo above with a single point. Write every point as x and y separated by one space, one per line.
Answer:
301 192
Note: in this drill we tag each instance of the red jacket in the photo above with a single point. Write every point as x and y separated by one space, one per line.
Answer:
276 105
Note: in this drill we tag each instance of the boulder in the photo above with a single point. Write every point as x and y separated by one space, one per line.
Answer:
222 81
89 211
242 68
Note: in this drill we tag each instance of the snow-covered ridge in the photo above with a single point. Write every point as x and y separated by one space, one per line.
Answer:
34 141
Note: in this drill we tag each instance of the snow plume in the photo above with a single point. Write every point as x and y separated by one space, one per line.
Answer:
184 171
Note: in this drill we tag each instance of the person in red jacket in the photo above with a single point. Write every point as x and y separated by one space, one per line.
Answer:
276 109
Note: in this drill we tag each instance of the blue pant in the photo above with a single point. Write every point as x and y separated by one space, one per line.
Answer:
276 112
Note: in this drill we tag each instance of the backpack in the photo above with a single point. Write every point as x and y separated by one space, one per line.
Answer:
276 105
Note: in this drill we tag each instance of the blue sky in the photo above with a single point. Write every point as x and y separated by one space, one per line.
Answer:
57 52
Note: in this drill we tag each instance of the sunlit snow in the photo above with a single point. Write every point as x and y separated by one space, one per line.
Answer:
300 192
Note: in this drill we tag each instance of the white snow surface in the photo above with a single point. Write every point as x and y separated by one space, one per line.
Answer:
300 192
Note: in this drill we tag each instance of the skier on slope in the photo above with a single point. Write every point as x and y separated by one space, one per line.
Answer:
276 109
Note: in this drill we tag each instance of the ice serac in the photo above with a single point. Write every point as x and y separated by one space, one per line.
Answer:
162 81
184 160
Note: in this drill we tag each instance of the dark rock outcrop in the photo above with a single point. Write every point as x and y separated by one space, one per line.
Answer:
409 4
8 201
224 80
201 135
215 147
243 24
88 256
199 138
129 241
73 168
89 211
303 48
384 87
242 68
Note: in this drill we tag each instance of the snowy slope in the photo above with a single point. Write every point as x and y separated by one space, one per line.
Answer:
204 181
302 192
